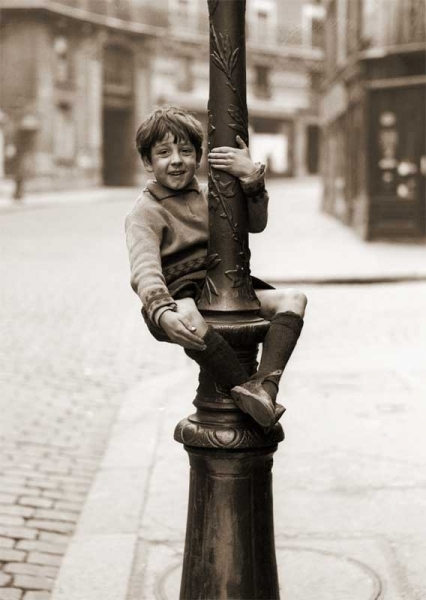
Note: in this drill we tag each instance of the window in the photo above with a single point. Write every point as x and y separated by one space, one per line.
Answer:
62 59
262 21
64 141
185 80
262 81
184 14
118 66
313 25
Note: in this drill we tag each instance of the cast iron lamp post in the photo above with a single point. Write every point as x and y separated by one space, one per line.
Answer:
229 547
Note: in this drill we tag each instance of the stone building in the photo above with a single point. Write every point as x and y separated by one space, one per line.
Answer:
373 116
77 76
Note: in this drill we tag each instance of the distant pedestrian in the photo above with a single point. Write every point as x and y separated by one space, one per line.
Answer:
167 237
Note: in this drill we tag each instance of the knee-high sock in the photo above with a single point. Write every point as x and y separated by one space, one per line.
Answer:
220 360
280 341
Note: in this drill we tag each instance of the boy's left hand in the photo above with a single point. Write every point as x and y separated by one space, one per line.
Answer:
235 161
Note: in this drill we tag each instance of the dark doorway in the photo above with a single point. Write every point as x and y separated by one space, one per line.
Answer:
312 158
117 147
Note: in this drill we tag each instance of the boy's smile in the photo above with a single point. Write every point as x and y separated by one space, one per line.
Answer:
173 162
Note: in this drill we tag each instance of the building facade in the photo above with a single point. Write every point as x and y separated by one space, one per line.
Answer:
78 76
373 116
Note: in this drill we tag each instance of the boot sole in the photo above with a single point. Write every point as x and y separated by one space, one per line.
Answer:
262 414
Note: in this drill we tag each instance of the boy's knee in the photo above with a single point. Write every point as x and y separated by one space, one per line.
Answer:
294 300
188 309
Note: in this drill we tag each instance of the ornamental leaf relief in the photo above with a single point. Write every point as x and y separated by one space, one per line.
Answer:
224 57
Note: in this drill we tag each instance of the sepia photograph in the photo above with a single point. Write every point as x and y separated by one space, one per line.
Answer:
212 299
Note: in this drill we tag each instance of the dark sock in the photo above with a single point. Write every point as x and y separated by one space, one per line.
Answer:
280 341
220 360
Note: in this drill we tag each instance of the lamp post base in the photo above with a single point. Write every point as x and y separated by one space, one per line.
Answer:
229 548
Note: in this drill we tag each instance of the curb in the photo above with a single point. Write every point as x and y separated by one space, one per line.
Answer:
342 280
99 560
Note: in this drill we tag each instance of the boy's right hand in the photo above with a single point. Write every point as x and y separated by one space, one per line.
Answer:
180 331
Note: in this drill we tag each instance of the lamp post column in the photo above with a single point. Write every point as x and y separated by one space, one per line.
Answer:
229 548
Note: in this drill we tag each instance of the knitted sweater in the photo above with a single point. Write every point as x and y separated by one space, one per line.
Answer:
167 235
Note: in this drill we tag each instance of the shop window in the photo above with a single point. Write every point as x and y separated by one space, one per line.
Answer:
262 81
64 132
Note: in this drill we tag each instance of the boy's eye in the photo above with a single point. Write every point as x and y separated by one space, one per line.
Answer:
187 150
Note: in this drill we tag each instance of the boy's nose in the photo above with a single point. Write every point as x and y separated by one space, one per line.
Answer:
176 159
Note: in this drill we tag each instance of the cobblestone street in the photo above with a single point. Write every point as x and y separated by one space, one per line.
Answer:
73 343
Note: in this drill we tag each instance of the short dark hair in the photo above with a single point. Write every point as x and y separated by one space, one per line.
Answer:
169 119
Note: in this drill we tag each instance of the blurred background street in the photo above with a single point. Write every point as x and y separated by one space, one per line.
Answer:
93 489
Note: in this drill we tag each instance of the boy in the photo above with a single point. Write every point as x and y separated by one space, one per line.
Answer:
167 235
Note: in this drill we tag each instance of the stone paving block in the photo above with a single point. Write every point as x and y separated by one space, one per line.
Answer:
64 495
40 546
18 533
44 559
36 596
54 538
41 483
35 501
55 515
13 488
55 526
26 582
5 579
30 569
6 542
8 520
21 511
8 498
10 594
8 554
69 506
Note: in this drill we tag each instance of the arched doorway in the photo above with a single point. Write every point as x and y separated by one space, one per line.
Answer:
117 122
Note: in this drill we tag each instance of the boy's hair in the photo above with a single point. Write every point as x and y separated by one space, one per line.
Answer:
169 119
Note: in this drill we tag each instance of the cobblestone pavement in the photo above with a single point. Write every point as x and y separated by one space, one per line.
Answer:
72 343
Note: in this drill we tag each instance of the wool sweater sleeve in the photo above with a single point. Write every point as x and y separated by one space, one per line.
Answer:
254 190
144 231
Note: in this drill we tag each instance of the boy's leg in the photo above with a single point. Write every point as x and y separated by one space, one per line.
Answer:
220 360
285 309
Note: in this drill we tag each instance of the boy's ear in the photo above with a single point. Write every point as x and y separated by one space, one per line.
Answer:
147 164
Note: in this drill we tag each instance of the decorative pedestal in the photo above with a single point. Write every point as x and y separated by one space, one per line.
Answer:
229 548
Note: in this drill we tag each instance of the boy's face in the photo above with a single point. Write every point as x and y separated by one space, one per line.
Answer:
173 162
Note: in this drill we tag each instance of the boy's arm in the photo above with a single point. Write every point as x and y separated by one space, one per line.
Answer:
237 162
257 196
147 280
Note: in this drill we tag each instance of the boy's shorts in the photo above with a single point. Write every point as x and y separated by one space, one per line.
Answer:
191 288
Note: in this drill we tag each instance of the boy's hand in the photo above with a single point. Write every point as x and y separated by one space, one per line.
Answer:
180 331
235 161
